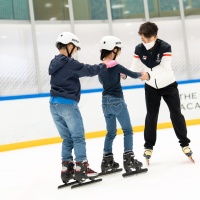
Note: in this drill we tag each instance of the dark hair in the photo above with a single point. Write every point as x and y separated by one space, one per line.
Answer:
105 53
148 29
60 45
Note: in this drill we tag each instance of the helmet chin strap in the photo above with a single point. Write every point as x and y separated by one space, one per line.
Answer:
115 53
70 53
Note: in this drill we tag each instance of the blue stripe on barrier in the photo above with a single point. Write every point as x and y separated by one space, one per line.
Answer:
26 96
189 81
29 96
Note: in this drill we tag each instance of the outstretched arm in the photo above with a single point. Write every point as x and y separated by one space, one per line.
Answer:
92 70
128 72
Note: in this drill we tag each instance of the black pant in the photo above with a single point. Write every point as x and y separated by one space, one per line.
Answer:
170 95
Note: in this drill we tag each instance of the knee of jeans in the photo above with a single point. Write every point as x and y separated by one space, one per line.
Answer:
111 135
128 132
64 137
78 139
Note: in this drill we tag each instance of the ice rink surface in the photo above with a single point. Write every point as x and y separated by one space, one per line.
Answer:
34 173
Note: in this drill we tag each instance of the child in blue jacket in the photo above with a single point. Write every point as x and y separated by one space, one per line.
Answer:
64 97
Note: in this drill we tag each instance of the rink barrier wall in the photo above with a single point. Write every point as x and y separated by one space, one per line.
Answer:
191 119
85 91
54 140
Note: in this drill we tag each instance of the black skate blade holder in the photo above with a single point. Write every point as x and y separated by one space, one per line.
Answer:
135 172
75 184
86 183
67 184
110 172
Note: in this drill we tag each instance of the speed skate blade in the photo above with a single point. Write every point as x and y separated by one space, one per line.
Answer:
148 162
67 184
191 159
135 172
110 172
86 183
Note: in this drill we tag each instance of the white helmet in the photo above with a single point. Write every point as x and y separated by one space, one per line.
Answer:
110 42
67 37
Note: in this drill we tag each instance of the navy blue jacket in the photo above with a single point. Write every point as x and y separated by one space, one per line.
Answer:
65 73
152 58
110 79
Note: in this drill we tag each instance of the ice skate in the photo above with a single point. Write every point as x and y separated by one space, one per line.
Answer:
131 165
147 154
82 173
108 165
67 174
188 152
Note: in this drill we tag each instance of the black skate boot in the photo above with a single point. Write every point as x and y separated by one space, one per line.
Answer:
83 172
67 174
108 165
67 171
131 165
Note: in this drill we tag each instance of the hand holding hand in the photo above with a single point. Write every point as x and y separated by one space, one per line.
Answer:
145 76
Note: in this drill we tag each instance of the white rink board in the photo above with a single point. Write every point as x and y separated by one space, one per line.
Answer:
30 119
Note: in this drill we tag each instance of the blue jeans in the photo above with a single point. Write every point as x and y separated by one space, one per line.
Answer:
116 108
68 121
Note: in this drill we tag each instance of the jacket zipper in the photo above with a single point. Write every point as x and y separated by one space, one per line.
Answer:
155 81
151 68
156 84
